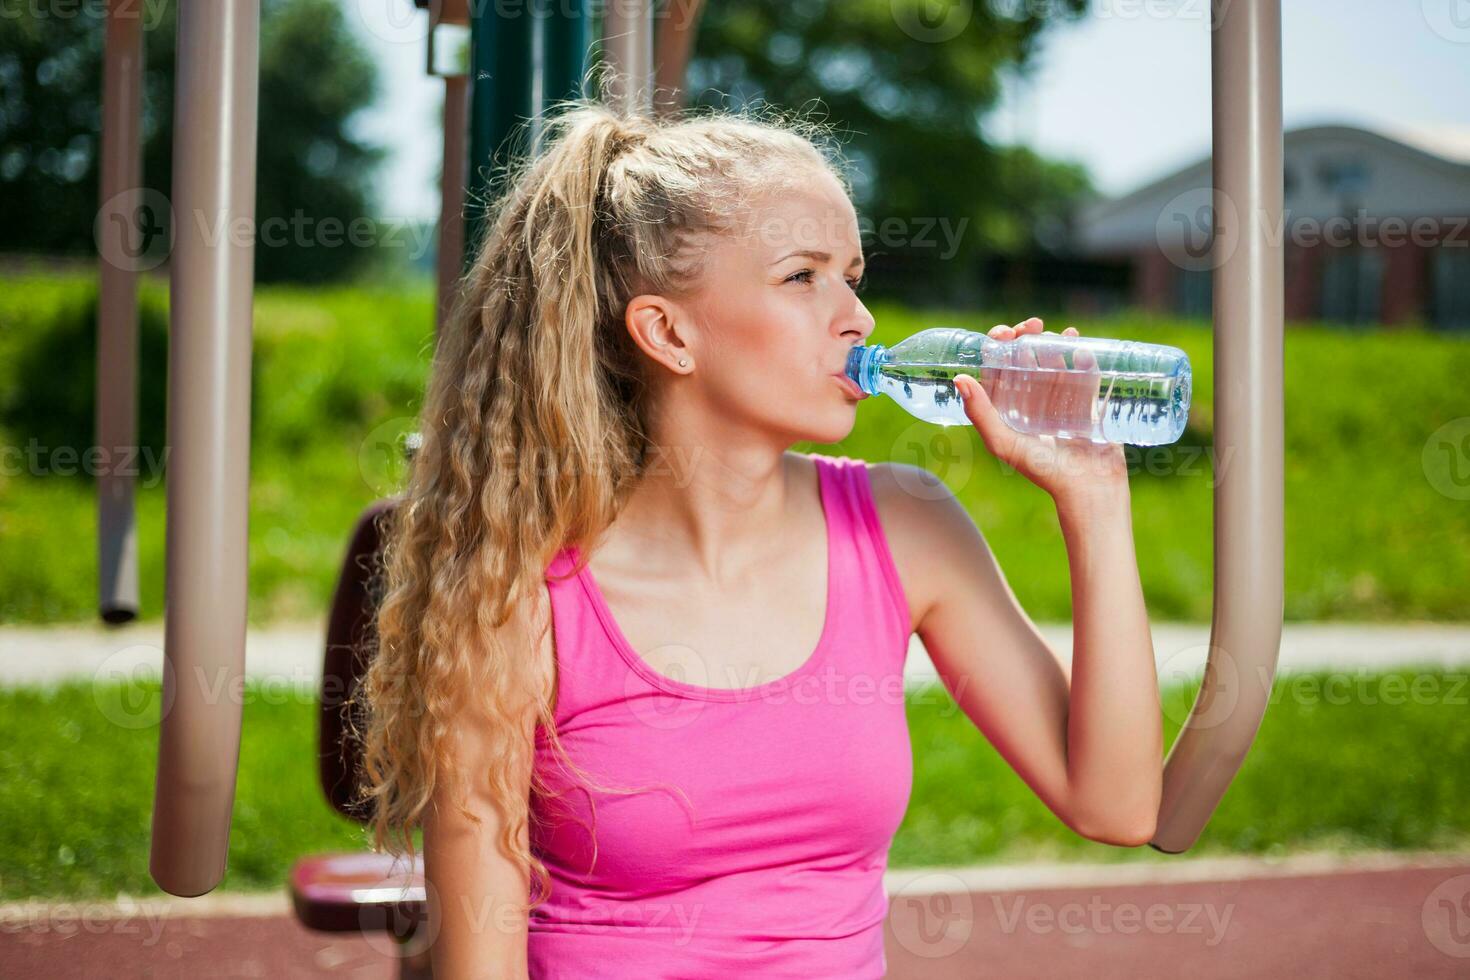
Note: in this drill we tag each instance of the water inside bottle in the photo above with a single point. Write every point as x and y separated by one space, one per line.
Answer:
1139 408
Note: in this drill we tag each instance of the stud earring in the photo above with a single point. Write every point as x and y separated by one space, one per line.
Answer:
682 362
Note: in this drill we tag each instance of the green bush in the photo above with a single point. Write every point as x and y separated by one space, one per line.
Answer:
1369 534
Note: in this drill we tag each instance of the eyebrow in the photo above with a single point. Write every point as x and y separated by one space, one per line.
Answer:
818 256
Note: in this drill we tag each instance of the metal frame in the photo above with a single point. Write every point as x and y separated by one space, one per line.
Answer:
627 45
209 387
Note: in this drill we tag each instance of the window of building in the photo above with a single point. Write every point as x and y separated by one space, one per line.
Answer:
1194 292
1449 295
1352 285
1344 178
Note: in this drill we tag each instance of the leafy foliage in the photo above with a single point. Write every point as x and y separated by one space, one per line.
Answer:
906 85
312 175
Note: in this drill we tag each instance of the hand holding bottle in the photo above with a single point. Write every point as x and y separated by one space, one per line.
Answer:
1067 469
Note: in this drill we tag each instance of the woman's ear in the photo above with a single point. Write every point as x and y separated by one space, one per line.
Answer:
660 328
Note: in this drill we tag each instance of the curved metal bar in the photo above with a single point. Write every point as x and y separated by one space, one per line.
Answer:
211 283
120 188
1245 637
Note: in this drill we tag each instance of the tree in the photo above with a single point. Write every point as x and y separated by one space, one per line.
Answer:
314 77
907 83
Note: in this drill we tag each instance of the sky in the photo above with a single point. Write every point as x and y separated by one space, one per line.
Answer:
1125 90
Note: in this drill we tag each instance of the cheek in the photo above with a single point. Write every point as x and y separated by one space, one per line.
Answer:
764 357
762 344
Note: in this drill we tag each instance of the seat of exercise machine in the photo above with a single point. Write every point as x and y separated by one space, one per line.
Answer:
364 891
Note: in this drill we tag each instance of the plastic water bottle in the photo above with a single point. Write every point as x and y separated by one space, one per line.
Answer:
1040 383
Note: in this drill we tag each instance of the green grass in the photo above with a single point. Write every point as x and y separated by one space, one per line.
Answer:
1357 765
1369 536
1343 761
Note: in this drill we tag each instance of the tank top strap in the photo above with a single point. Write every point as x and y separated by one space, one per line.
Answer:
586 666
868 588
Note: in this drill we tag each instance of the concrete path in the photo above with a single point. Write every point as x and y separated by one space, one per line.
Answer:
292 653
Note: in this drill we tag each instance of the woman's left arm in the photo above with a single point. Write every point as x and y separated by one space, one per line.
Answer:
1089 744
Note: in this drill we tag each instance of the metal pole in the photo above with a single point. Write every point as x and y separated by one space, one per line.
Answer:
1245 636
627 45
451 196
450 256
674 44
119 190
500 98
209 431
566 37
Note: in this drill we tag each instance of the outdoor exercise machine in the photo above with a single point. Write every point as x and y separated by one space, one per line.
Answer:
519 64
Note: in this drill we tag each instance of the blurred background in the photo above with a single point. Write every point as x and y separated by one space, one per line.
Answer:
1009 159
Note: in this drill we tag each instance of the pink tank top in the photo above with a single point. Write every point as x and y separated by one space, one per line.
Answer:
758 842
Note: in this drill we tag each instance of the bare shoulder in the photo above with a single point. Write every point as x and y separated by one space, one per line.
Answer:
912 500
926 526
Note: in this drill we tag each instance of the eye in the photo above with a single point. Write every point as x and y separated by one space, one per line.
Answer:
858 284
803 276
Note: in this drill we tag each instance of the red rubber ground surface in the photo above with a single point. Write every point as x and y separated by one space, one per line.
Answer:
1361 924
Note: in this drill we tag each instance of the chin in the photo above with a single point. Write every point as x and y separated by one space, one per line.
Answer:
829 426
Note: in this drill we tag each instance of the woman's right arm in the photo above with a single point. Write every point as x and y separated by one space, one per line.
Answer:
477 893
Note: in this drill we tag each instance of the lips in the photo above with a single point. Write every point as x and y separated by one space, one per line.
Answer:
849 384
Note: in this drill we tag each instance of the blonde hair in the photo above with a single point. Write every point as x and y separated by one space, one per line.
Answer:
535 426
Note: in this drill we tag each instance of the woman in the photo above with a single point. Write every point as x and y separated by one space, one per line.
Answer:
634 650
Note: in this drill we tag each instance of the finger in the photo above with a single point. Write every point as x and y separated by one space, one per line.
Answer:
1026 357
1052 357
980 411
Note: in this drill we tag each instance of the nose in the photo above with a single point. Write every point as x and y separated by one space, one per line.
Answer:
857 323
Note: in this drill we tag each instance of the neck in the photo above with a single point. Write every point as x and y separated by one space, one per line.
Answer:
710 495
